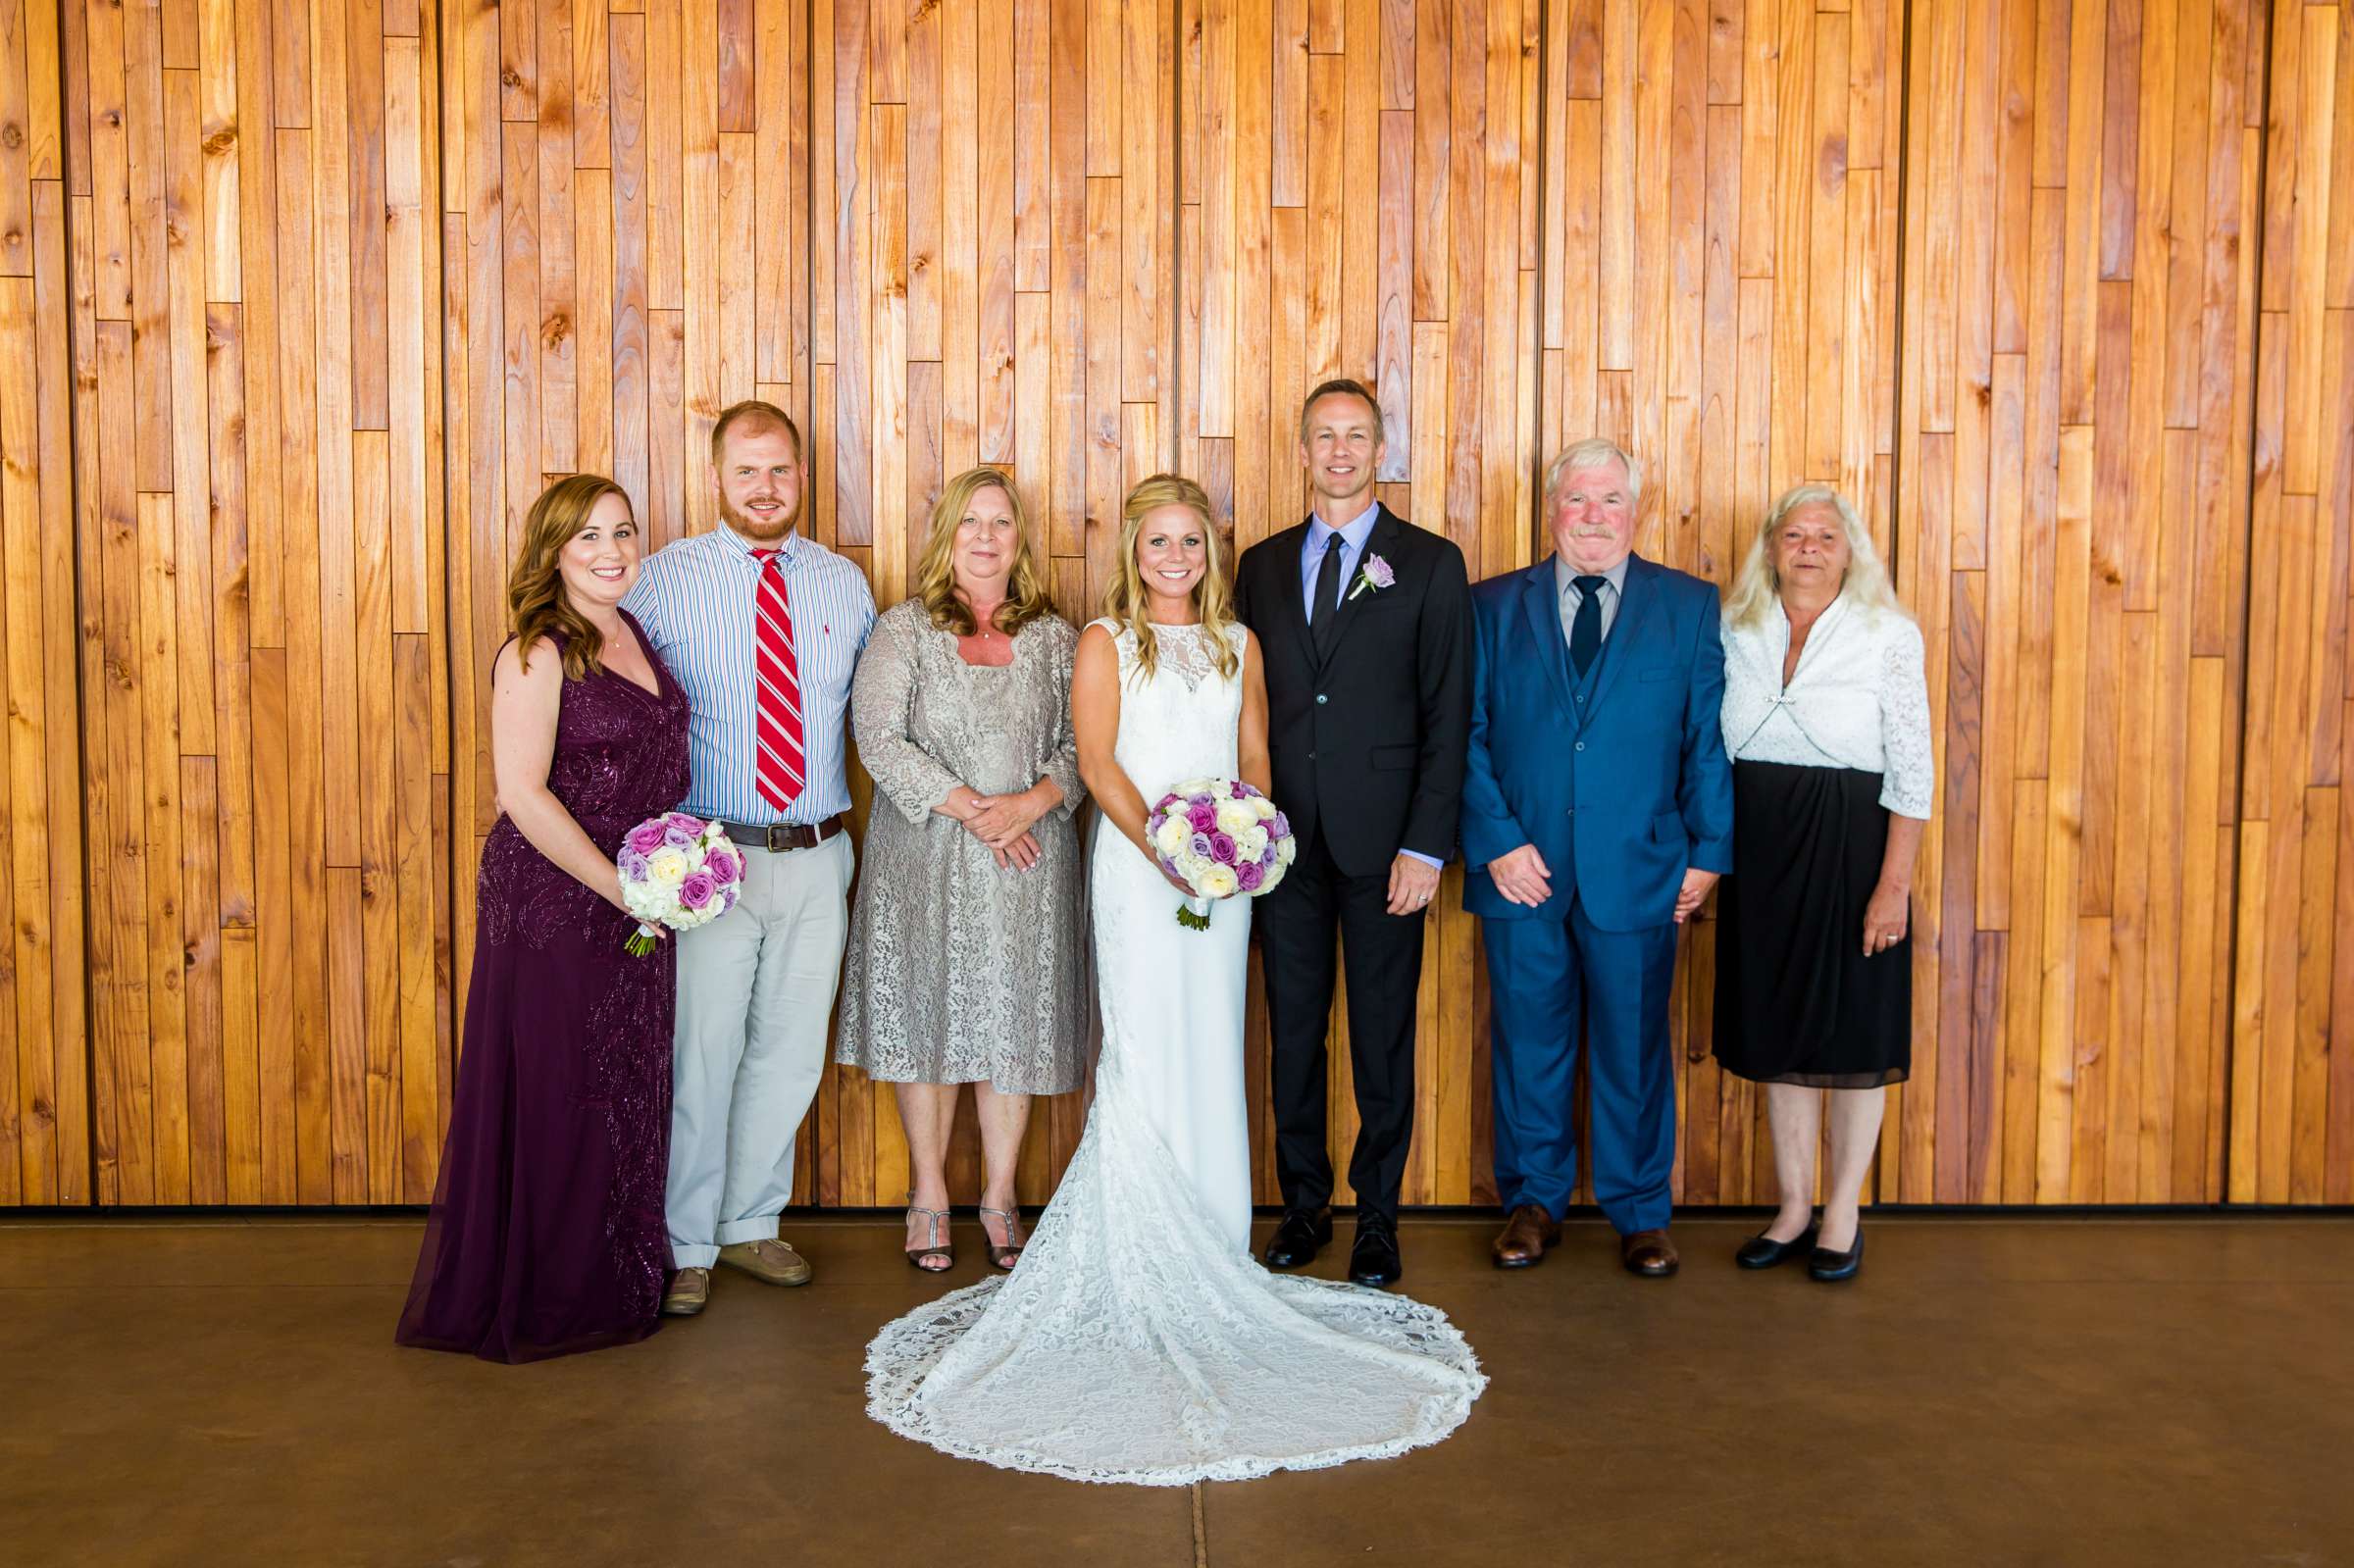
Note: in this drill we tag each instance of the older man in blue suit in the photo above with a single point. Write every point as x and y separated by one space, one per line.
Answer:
1598 811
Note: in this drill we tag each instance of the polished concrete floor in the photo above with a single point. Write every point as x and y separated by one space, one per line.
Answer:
1990 1391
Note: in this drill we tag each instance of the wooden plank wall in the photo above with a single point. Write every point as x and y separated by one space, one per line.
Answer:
1359 197
993 279
44 1041
593 318
258 519
2077 407
2291 1138
2050 288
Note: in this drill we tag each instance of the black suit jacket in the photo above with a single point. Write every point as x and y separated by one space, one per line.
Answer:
1367 743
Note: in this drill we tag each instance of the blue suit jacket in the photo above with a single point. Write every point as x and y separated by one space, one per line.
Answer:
1621 794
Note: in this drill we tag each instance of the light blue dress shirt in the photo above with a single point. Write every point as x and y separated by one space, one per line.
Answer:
694 599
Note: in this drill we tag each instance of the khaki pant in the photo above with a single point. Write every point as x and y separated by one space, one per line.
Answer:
755 996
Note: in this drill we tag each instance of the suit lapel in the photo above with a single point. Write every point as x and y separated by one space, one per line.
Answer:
1617 649
1291 605
1382 541
1539 602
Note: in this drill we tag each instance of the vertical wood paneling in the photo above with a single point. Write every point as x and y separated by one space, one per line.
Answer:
2291 1136
257 327
2074 418
301 305
1000 229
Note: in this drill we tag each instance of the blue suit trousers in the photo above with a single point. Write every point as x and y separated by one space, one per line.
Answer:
1546 978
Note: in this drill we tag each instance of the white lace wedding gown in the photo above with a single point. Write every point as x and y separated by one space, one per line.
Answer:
1138 1341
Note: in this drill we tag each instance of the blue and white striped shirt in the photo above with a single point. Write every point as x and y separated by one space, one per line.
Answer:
694 599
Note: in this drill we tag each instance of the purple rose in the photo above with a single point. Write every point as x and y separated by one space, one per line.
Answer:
1269 855
1166 801
724 865
646 836
678 837
726 897
1204 817
631 864
696 891
1222 848
692 826
1248 876
1201 797
1199 845
1279 826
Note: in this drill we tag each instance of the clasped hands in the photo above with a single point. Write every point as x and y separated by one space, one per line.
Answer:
1523 878
1001 822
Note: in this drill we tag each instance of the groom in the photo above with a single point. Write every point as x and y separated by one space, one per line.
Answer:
1364 624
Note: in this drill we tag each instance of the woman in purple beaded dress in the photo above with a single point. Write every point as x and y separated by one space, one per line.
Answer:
547 1234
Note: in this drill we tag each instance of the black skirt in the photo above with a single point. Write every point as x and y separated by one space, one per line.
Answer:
1797 1001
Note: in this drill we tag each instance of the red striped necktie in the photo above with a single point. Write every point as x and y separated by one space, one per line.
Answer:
780 760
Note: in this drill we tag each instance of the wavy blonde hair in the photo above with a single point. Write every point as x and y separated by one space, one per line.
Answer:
537 603
1026 596
1126 597
1758 586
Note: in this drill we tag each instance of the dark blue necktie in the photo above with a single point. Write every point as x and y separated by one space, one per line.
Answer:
1323 611
1585 631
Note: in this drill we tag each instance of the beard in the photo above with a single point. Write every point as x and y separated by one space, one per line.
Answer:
754 527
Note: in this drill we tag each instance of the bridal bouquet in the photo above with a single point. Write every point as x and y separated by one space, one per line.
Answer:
677 872
1220 838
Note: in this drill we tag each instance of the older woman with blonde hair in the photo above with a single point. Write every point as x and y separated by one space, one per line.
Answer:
964 955
1826 718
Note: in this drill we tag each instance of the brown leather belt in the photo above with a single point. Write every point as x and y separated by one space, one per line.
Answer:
782 836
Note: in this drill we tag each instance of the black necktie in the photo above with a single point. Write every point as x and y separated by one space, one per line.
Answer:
1323 609
1585 631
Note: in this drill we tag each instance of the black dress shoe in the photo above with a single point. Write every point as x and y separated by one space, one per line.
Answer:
1297 1238
1832 1267
1375 1259
1758 1252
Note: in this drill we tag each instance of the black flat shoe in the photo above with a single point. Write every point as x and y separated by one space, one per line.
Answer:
1298 1238
1832 1267
1758 1252
1375 1259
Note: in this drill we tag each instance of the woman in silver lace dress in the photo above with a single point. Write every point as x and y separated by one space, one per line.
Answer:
964 947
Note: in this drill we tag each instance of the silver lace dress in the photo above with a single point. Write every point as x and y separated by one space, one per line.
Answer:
961 971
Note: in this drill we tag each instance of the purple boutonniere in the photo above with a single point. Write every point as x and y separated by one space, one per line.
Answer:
1375 574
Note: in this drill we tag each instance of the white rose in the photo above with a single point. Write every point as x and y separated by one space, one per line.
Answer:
1191 866
1217 881
1262 808
1234 814
1174 832
1196 786
1288 852
667 865
1250 842
1267 882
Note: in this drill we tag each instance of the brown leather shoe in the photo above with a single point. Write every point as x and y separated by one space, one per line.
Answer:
772 1262
689 1293
1526 1237
1649 1253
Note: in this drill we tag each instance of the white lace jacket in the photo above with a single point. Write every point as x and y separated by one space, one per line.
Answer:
1860 698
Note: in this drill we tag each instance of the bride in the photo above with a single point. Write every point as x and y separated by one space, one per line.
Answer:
1138 1341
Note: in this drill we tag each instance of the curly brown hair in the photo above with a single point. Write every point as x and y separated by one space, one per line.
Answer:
537 603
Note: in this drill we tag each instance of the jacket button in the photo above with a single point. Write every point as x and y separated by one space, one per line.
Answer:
1571 812
1312 756
1320 699
1581 746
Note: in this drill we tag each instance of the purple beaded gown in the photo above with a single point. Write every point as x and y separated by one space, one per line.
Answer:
547 1234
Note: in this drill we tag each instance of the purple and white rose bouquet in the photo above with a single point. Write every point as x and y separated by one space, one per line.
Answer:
1220 838
677 872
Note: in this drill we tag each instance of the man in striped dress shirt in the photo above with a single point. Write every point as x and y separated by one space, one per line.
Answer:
763 627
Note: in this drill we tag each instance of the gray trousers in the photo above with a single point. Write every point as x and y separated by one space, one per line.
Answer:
755 998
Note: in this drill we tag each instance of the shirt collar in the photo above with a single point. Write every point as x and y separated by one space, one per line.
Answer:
1355 530
788 551
1564 574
